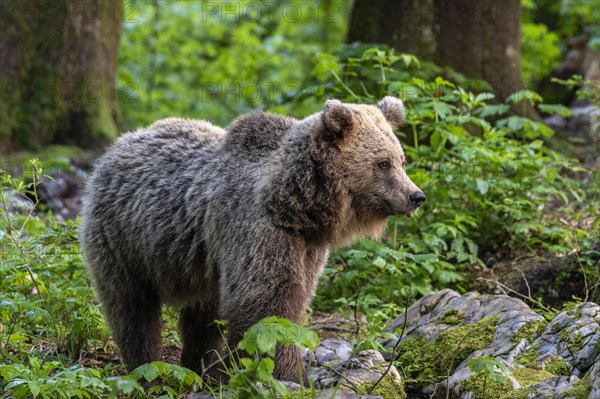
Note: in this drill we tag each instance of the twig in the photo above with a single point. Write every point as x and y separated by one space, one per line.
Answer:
332 328
357 330
15 236
452 362
526 282
504 287
336 372
396 355
355 310
348 89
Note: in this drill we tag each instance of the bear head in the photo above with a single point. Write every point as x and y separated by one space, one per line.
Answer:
361 140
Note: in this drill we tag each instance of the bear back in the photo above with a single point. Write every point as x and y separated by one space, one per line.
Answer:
257 133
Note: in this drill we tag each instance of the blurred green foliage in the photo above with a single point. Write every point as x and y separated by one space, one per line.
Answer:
540 52
216 60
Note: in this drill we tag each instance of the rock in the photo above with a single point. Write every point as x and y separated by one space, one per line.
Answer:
557 360
291 386
368 368
200 395
341 394
441 311
333 350
584 122
339 369
574 336
595 380
546 360
16 203
555 122
552 387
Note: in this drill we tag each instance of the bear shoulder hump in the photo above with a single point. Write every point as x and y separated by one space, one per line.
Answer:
257 132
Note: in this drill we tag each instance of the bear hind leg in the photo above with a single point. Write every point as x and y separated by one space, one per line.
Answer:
199 336
134 320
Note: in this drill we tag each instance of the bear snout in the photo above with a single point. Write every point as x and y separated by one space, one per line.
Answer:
417 198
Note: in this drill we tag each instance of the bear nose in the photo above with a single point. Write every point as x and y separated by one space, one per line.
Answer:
417 198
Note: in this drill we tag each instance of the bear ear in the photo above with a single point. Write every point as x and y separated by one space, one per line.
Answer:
337 119
393 110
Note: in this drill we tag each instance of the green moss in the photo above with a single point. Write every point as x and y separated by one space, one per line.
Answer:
452 317
522 393
101 123
388 388
527 358
426 361
531 330
483 387
528 376
574 311
557 366
524 376
580 390
578 343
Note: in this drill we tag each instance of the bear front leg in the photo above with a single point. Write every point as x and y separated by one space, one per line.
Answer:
284 300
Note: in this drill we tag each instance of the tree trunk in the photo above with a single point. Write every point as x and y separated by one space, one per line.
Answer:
58 61
406 25
477 38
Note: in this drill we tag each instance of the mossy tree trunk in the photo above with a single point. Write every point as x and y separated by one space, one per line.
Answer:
58 61
480 39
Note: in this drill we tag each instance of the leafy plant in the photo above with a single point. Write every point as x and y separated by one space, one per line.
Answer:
490 371
252 375
174 380
50 379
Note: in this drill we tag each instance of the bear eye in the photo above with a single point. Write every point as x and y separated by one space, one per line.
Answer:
384 165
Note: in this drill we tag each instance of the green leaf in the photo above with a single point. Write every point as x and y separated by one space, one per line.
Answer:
379 262
555 109
148 371
524 95
491 110
489 367
35 387
484 97
483 186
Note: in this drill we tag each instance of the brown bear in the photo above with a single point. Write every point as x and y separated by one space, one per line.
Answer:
235 224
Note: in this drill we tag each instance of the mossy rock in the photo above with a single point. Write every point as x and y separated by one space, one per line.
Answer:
430 360
557 366
528 357
482 388
580 390
452 317
530 376
388 388
531 330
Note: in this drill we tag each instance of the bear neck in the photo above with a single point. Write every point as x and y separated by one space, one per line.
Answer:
306 196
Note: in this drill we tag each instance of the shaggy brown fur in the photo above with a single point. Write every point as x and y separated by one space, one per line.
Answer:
235 224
